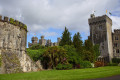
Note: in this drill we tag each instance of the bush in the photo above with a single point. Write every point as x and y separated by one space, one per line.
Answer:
36 47
113 64
11 20
64 66
85 64
25 27
99 64
116 60
35 54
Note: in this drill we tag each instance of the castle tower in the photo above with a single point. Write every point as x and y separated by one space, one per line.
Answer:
116 43
13 38
49 42
34 40
58 40
101 33
42 41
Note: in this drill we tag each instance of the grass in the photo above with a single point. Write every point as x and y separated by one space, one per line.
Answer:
76 74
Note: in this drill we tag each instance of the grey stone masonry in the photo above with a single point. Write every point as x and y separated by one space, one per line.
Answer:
13 37
116 43
101 33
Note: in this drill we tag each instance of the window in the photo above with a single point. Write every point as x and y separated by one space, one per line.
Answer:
100 27
115 45
116 37
117 51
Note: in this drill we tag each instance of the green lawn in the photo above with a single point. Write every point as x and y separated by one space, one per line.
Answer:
76 74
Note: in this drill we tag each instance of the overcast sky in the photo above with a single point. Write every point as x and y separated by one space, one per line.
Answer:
49 17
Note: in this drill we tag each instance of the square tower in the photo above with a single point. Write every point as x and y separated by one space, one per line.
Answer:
101 33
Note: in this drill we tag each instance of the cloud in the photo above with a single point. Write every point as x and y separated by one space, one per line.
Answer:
40 15
116 22
49 34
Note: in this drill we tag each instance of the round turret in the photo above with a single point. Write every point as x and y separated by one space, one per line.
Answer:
42 37
34 39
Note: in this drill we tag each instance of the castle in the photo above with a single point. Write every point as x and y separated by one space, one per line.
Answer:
13 36
101 33
43 42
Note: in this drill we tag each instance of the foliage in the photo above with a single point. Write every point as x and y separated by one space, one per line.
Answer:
116 60
64 66
77 42
66 38
88 56
53 56
85 64
25 27
96 50
35 54
99 64
89 52
11 20
36 47
73 56
113 64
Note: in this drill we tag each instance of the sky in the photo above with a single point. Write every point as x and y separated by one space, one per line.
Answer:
49 17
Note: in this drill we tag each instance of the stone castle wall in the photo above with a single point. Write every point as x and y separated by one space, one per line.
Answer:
101 33
13 37
116 43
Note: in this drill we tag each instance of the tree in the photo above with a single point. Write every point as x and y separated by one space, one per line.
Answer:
97 51
89 53
77 42
66 38
53 56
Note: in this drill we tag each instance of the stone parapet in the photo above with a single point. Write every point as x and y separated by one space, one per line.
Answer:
14 22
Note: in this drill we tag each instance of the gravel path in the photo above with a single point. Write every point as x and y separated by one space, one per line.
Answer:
117 77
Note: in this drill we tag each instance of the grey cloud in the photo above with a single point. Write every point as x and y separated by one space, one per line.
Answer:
40 15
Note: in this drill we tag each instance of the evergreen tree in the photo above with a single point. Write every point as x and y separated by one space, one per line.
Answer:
66 38
77 42
89 54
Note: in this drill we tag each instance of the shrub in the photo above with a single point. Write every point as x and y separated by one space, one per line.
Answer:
25 27
113 64
85 64
36 46
35 54
11 20
116 60
99 64
64 66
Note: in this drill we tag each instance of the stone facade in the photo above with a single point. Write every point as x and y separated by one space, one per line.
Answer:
13 36
101 33
43 42
116 43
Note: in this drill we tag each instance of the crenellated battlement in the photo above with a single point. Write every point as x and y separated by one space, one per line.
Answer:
99 19
117 31
14 22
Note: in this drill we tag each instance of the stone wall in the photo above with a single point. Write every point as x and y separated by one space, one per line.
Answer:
101 33
116 43
13 37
